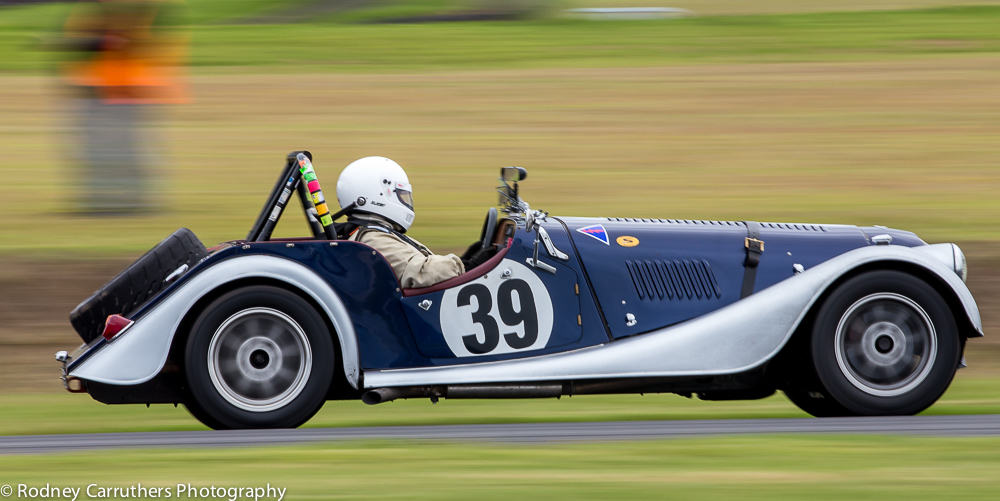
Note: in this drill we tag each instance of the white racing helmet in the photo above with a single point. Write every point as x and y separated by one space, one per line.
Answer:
379 186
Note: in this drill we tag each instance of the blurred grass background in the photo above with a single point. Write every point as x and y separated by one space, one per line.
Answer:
766 468
876 112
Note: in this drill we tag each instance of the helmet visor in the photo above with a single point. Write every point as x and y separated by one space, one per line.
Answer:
405 197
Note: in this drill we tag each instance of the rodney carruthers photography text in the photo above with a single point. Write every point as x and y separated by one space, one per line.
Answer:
139 491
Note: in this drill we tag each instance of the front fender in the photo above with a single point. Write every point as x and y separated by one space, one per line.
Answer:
733 339
141 352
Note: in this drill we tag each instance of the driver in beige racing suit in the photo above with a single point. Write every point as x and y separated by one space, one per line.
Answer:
383 212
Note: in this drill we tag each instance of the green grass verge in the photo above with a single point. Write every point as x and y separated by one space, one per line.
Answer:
772 467
65 413
565 43
553 42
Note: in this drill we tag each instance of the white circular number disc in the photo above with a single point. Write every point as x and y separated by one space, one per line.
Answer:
457 322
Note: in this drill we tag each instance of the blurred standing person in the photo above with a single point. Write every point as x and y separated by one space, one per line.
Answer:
127 58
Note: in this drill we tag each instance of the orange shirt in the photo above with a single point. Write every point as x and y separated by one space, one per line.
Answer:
131 62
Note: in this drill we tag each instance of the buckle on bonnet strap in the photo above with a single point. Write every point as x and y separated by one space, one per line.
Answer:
755 247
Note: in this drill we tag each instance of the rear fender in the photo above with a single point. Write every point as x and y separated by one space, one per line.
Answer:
140 354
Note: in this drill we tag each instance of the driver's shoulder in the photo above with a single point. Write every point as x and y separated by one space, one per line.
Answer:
379 237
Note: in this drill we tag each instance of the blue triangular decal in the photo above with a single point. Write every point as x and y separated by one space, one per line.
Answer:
597 231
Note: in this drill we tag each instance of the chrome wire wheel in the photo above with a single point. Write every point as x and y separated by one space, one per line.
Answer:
259 359
885 344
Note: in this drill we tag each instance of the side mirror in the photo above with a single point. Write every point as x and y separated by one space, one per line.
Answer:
513 174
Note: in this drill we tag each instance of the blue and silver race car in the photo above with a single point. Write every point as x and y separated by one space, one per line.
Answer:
260 332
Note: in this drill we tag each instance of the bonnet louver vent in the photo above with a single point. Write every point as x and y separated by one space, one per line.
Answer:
790 226
703 222
673 280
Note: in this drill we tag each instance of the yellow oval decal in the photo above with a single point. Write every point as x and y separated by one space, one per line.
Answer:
625 241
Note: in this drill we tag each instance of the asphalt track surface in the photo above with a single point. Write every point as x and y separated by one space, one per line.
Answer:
951 426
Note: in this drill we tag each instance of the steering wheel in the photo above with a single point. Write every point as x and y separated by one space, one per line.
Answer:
489 228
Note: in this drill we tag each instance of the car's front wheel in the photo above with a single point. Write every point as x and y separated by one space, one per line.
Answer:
884 343
258 357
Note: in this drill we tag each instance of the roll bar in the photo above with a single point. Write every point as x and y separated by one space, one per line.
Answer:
296 176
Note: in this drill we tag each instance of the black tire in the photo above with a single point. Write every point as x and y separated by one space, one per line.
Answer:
258 357
816 403
140 282
885 343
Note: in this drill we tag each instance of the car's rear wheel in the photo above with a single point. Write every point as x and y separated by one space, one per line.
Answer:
258 357
883 343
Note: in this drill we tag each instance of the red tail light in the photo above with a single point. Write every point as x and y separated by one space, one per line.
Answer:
115 325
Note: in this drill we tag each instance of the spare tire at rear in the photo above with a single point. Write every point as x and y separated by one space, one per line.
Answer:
139 283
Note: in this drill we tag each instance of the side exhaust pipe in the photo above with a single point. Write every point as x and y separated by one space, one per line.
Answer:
381 395
505 391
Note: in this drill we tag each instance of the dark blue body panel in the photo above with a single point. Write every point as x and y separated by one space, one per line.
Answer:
666 271
674 273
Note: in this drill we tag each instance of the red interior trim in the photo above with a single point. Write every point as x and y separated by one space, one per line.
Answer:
468 276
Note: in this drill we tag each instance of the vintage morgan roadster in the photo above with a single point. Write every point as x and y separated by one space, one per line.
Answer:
260 332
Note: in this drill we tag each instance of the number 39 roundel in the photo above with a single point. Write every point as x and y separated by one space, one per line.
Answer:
507 311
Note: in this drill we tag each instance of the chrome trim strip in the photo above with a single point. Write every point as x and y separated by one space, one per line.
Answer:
140 355
733 339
